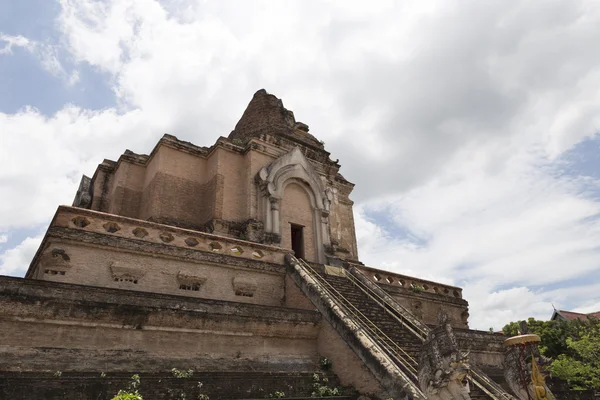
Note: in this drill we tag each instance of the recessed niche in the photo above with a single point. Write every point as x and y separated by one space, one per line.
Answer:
140 233
389 280
58 254
377 277
258 254
129 279
216 247
190 282
111 227
244 286
192 287
123 273
166 237
80 222
192 242
237 250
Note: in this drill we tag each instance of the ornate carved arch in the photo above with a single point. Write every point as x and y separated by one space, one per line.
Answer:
272 181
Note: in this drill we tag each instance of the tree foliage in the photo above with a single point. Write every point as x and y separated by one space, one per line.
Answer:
580 366
574 347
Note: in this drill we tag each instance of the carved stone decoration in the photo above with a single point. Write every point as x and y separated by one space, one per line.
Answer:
443 368
55 261
521 366
83 198
166 237
254 230
244 285
189 281
121 273
80 222
272 180
140 232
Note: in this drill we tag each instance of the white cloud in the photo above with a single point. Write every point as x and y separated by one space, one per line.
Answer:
47 55
3 239
588 308
10 41
520 225
15 261
450 120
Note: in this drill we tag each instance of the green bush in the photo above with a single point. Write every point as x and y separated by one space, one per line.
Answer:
132 393
321 387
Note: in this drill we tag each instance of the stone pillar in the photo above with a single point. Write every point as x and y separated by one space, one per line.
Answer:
268 215
324 226
275 216
318 239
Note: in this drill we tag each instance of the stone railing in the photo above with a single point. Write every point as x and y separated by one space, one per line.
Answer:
130 228
409 282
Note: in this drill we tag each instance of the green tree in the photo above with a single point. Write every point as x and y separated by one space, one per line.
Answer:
554 334
581 365
511 329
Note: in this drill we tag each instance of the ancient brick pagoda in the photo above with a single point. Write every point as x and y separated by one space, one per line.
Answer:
237 261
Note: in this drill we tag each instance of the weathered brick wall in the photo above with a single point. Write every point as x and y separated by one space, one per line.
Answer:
178 189
180 202
235 197
85 342
427 306
486 349
101 186
216 385
79 328
100 267
345 363
294 298
342 227
125 189
92 248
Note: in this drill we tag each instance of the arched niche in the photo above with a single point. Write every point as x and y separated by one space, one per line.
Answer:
293 167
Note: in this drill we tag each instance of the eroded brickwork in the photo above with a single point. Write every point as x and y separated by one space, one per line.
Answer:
82 328
216 188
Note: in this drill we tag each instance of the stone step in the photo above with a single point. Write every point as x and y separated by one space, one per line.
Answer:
373 311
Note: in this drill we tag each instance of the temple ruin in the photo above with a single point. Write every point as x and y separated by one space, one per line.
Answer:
237 262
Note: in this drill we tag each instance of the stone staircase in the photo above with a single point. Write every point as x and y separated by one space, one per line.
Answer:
244 385
373 311
395 331
390 326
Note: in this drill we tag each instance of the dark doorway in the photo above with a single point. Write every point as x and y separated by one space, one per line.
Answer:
298 240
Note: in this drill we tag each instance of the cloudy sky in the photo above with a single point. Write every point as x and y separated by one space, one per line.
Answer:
470 128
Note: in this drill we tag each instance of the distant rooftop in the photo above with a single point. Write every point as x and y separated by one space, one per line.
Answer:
571 315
